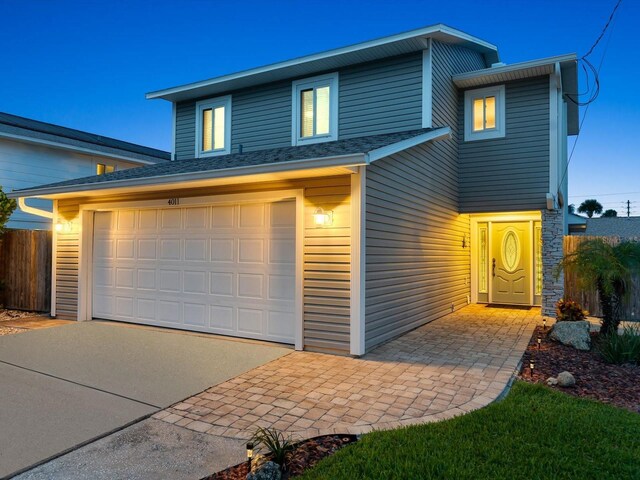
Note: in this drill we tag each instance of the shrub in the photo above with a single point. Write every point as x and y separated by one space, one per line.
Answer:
620 348
569 311
278 446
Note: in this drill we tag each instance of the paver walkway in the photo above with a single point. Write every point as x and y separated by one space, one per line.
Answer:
450 366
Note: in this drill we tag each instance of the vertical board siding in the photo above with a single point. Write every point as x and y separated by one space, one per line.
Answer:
25 270
375 97
416 265
327 265
510 173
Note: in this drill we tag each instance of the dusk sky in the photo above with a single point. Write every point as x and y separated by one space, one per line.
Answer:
88 65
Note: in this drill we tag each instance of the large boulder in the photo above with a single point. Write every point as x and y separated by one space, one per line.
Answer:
266 471
573 334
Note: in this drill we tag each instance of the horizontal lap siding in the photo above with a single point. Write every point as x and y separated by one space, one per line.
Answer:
381 97
416 265
327 266
510 173
376 97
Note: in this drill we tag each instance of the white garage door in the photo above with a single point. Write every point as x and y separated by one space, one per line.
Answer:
227 269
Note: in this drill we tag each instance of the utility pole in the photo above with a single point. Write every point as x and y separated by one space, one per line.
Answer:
628 208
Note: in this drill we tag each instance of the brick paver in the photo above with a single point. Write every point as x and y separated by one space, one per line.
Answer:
448 367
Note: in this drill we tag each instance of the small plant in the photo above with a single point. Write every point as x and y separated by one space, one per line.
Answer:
7 206
275 442
620 348
569 311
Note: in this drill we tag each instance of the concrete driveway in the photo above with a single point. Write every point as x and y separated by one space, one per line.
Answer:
63 387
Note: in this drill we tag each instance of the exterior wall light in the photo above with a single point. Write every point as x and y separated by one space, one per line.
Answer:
322 218
65 227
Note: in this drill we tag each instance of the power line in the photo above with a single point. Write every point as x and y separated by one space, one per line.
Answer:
591 195
595 44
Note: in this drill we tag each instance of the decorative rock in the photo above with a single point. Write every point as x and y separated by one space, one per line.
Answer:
565 379
267 471
552 381
573 334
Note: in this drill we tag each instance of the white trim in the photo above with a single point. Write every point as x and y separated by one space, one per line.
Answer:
382 152
332 81
307 163
489 218
32 210
498 91
212 103
358 262
427 86
174 123
438 31
528 68
54 260
85 261
554 98
73 148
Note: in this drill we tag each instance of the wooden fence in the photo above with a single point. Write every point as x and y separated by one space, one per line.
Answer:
25 270
588 299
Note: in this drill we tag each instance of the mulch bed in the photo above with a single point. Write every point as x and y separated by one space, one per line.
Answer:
6 314
306 454
617 385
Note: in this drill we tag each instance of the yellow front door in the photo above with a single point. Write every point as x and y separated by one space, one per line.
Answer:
511 263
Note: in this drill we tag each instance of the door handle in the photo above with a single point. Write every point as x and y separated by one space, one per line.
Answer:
493 268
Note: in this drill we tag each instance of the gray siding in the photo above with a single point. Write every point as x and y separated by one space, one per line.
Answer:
416 265
374 98
510 173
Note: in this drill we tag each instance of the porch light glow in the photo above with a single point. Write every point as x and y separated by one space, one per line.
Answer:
64 227
322 218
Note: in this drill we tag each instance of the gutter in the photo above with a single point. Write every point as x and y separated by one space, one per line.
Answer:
338 161
32 210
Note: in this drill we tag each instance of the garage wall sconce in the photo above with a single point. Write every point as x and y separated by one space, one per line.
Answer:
323 218
64 227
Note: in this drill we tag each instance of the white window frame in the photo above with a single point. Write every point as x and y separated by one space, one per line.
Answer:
214 103
499 131
330 80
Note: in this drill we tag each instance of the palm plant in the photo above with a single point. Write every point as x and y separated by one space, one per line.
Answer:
607 268
590 206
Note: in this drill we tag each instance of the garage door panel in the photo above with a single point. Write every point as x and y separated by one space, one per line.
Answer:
227 269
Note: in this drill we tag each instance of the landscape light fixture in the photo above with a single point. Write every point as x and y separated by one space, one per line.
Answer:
539 341
249 453
544 323
531 366
322 218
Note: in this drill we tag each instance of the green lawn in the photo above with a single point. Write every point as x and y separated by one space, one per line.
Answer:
535 433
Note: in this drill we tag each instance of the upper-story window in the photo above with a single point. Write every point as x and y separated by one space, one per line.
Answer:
102 168
213 127
484 113
315 109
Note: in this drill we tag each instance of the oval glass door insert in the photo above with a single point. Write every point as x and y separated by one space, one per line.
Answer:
510 251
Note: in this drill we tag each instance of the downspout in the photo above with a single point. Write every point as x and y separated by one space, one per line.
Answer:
32 210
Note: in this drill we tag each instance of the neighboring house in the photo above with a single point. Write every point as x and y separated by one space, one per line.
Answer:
333 201
33 153
576 223
623 227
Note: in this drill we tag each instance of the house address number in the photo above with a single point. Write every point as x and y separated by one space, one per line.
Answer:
174 201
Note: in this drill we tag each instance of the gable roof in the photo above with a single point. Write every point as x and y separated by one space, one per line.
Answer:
34 131
411 41
339 153
624 227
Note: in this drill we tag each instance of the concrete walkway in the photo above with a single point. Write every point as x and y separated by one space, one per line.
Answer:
453 365
64 386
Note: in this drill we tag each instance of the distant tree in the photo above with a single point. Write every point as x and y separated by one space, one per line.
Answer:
590 207
7 206
609 213
571 208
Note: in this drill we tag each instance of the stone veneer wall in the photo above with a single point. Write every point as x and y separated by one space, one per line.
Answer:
552 252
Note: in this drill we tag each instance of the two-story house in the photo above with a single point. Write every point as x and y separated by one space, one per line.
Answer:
333 201
33 153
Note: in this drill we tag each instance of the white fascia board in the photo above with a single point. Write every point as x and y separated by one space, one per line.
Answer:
74 148
337 161
462 78
442 29
387 150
